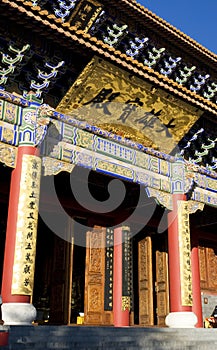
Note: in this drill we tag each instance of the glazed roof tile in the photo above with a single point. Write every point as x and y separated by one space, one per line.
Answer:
56 26
136 9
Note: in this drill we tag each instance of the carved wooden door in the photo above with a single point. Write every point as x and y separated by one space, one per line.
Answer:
60 296
145 280
95 279
208 267
162 287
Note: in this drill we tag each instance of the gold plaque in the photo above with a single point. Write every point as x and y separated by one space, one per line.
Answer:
114 100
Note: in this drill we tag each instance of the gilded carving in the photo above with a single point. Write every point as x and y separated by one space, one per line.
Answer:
11 112
53 166
162 198
115 168
95 279
8 155
96 241
193 206
84 139
212 184
95 260
164 167
8 135
142 159
95 298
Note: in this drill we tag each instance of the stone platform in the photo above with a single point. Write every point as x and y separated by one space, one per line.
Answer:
107 338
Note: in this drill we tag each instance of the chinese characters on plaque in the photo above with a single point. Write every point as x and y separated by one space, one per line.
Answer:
120 102
85 14
25 246
185 253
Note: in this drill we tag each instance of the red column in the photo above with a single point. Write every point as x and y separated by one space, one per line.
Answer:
7 297
180 316
121 317
174 260
197 303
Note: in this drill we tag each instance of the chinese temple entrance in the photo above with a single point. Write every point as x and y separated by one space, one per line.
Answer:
70 277
73 277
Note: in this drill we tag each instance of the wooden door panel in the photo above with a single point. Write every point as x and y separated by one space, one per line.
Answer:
145 280
212 267
95 279
162 287
208 267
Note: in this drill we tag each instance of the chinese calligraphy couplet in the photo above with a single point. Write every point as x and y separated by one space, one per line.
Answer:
19 258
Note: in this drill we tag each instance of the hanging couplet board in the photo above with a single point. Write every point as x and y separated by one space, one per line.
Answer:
117 101
185 253
25 246
126 269
109 258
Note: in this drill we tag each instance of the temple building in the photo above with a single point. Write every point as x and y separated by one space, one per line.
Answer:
108 159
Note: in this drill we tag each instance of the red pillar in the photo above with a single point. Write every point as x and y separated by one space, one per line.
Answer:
7 297
197 303
121 317
174 260
181 312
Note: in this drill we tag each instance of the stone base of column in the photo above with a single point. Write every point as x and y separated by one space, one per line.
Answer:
181 320
21 314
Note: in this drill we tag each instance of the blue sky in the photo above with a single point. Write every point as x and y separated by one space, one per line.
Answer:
196 18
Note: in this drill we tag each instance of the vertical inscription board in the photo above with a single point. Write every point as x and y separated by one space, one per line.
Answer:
126 269
185 253
109 258
26 231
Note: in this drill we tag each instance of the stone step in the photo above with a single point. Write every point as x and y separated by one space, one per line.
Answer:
107 338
